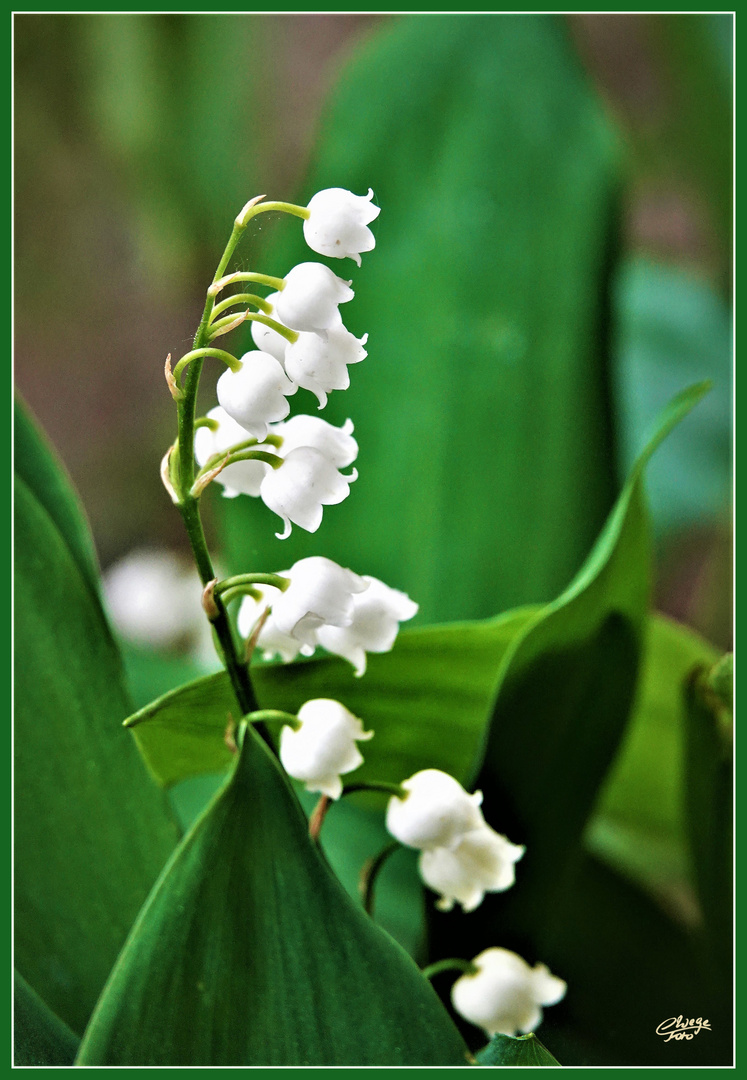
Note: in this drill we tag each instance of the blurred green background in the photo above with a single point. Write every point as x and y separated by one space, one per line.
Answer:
553 262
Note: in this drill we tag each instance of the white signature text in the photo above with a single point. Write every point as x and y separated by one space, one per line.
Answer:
677 1027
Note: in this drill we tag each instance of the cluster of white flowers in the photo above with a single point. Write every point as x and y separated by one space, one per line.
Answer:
461 856
314 356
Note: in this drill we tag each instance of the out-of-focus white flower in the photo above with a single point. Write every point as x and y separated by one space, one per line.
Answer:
267 339
377 613
336 443
481 861
298 489
323 747
320 592
152 598
311 296
319 361
436 812
505 996
337 224
240 478
256 394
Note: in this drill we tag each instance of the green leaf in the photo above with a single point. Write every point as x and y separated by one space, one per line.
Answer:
567 686
39 1037
91 831
37 464
638 826
481 411
709 808
515 1050
249 952
428 701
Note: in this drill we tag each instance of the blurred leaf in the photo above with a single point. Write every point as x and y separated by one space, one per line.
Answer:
721 681
638 825
673 328
37 464
515 1050
427 700
709 809
91 831
249 952
566 689
482 410
39 1037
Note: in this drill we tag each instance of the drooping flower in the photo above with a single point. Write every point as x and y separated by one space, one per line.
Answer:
298 489
267 339
257 393
336 443
320 592
323 747
311 297
436 812
319 361
377 613
481 861
505 996
272 640
241 477
337 225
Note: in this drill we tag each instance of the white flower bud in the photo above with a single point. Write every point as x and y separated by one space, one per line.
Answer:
298 489
240 478
256 394
320 592
482 861
336 443
436 812
337 223
505 996
310 298
152 599
324 747
377 613
267 339
319 361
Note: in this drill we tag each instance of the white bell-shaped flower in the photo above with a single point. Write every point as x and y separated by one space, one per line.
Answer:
320 592
311 296
323 747
377 613
256 394
298 489
337 224
336 443
271 640
481 861
240 478
267 339
436 812
152 597
505 996
319 361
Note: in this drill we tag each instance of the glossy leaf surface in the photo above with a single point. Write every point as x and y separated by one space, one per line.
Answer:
249 952
515 1050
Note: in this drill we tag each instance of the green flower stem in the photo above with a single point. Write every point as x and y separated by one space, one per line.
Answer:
241 298
376 785
369 873
218 328
273 716
228 358
276 283
240 580
283 207
208 422
465 967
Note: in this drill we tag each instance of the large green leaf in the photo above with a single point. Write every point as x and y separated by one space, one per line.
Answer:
249 952
37 464
638 825
91 830
39 1037
481 411
428 701
515 1050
